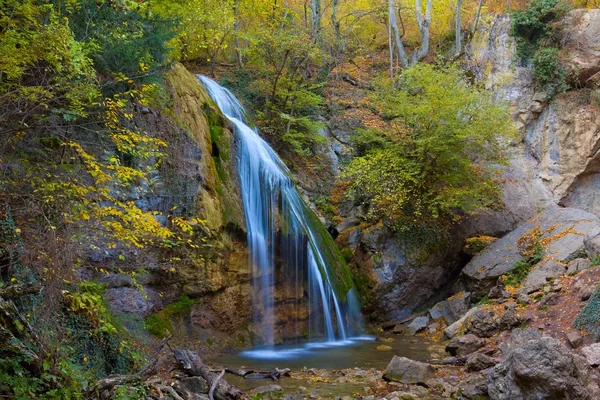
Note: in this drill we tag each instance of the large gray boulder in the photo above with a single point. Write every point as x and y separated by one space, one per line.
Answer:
543 271
452 308
460 325
418 324
404 370
592 245
482 324
563 231
592 354
543 369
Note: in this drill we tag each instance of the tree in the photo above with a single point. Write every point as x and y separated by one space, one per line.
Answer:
441 154
423 23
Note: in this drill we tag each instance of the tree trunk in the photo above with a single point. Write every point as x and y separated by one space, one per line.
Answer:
316 20
476 22
236 30
395 35
423 23
457 26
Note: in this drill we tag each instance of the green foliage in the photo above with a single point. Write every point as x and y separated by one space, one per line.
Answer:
595 261
367 140
536 31
484 300
589 318
123 37
441 154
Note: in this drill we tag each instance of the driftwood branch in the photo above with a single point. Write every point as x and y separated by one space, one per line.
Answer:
113 380
193 365
211 392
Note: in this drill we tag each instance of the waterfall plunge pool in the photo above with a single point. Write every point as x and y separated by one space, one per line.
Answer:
355 352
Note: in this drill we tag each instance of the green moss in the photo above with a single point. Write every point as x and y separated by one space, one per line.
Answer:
159 324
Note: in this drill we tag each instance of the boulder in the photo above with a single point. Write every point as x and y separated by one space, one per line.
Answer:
592 354
523 298
518 337
404 370
563 231
482 324
542 271
578 264
474 387
459 325
582 45
464 345
509 319
418 324
586 291
542 369
452 308
478 362
267 392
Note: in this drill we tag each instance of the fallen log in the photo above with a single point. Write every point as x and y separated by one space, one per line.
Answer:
193 365
113 380
274 375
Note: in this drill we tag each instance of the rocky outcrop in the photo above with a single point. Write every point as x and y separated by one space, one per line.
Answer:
542 369
581 43
562 231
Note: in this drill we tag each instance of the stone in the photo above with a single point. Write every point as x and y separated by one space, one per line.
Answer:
399 329
518 337
478 362
542 369
383 347
509 318
195 384
458 326
464 345
550 299
404 370
574 339
267 392
474 387
586 292
432 328
557 226
523 298
482 324
592 354
542 271
418 324
578 265
452 308
127 300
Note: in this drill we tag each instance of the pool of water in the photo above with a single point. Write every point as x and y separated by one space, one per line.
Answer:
359 352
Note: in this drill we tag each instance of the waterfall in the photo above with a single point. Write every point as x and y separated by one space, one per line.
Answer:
292 255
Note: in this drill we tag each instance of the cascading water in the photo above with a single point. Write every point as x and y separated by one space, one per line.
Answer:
289 247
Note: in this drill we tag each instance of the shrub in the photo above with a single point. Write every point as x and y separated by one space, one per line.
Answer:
589 318
536 31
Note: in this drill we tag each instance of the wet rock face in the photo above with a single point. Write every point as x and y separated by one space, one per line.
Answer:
542 369
127 300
